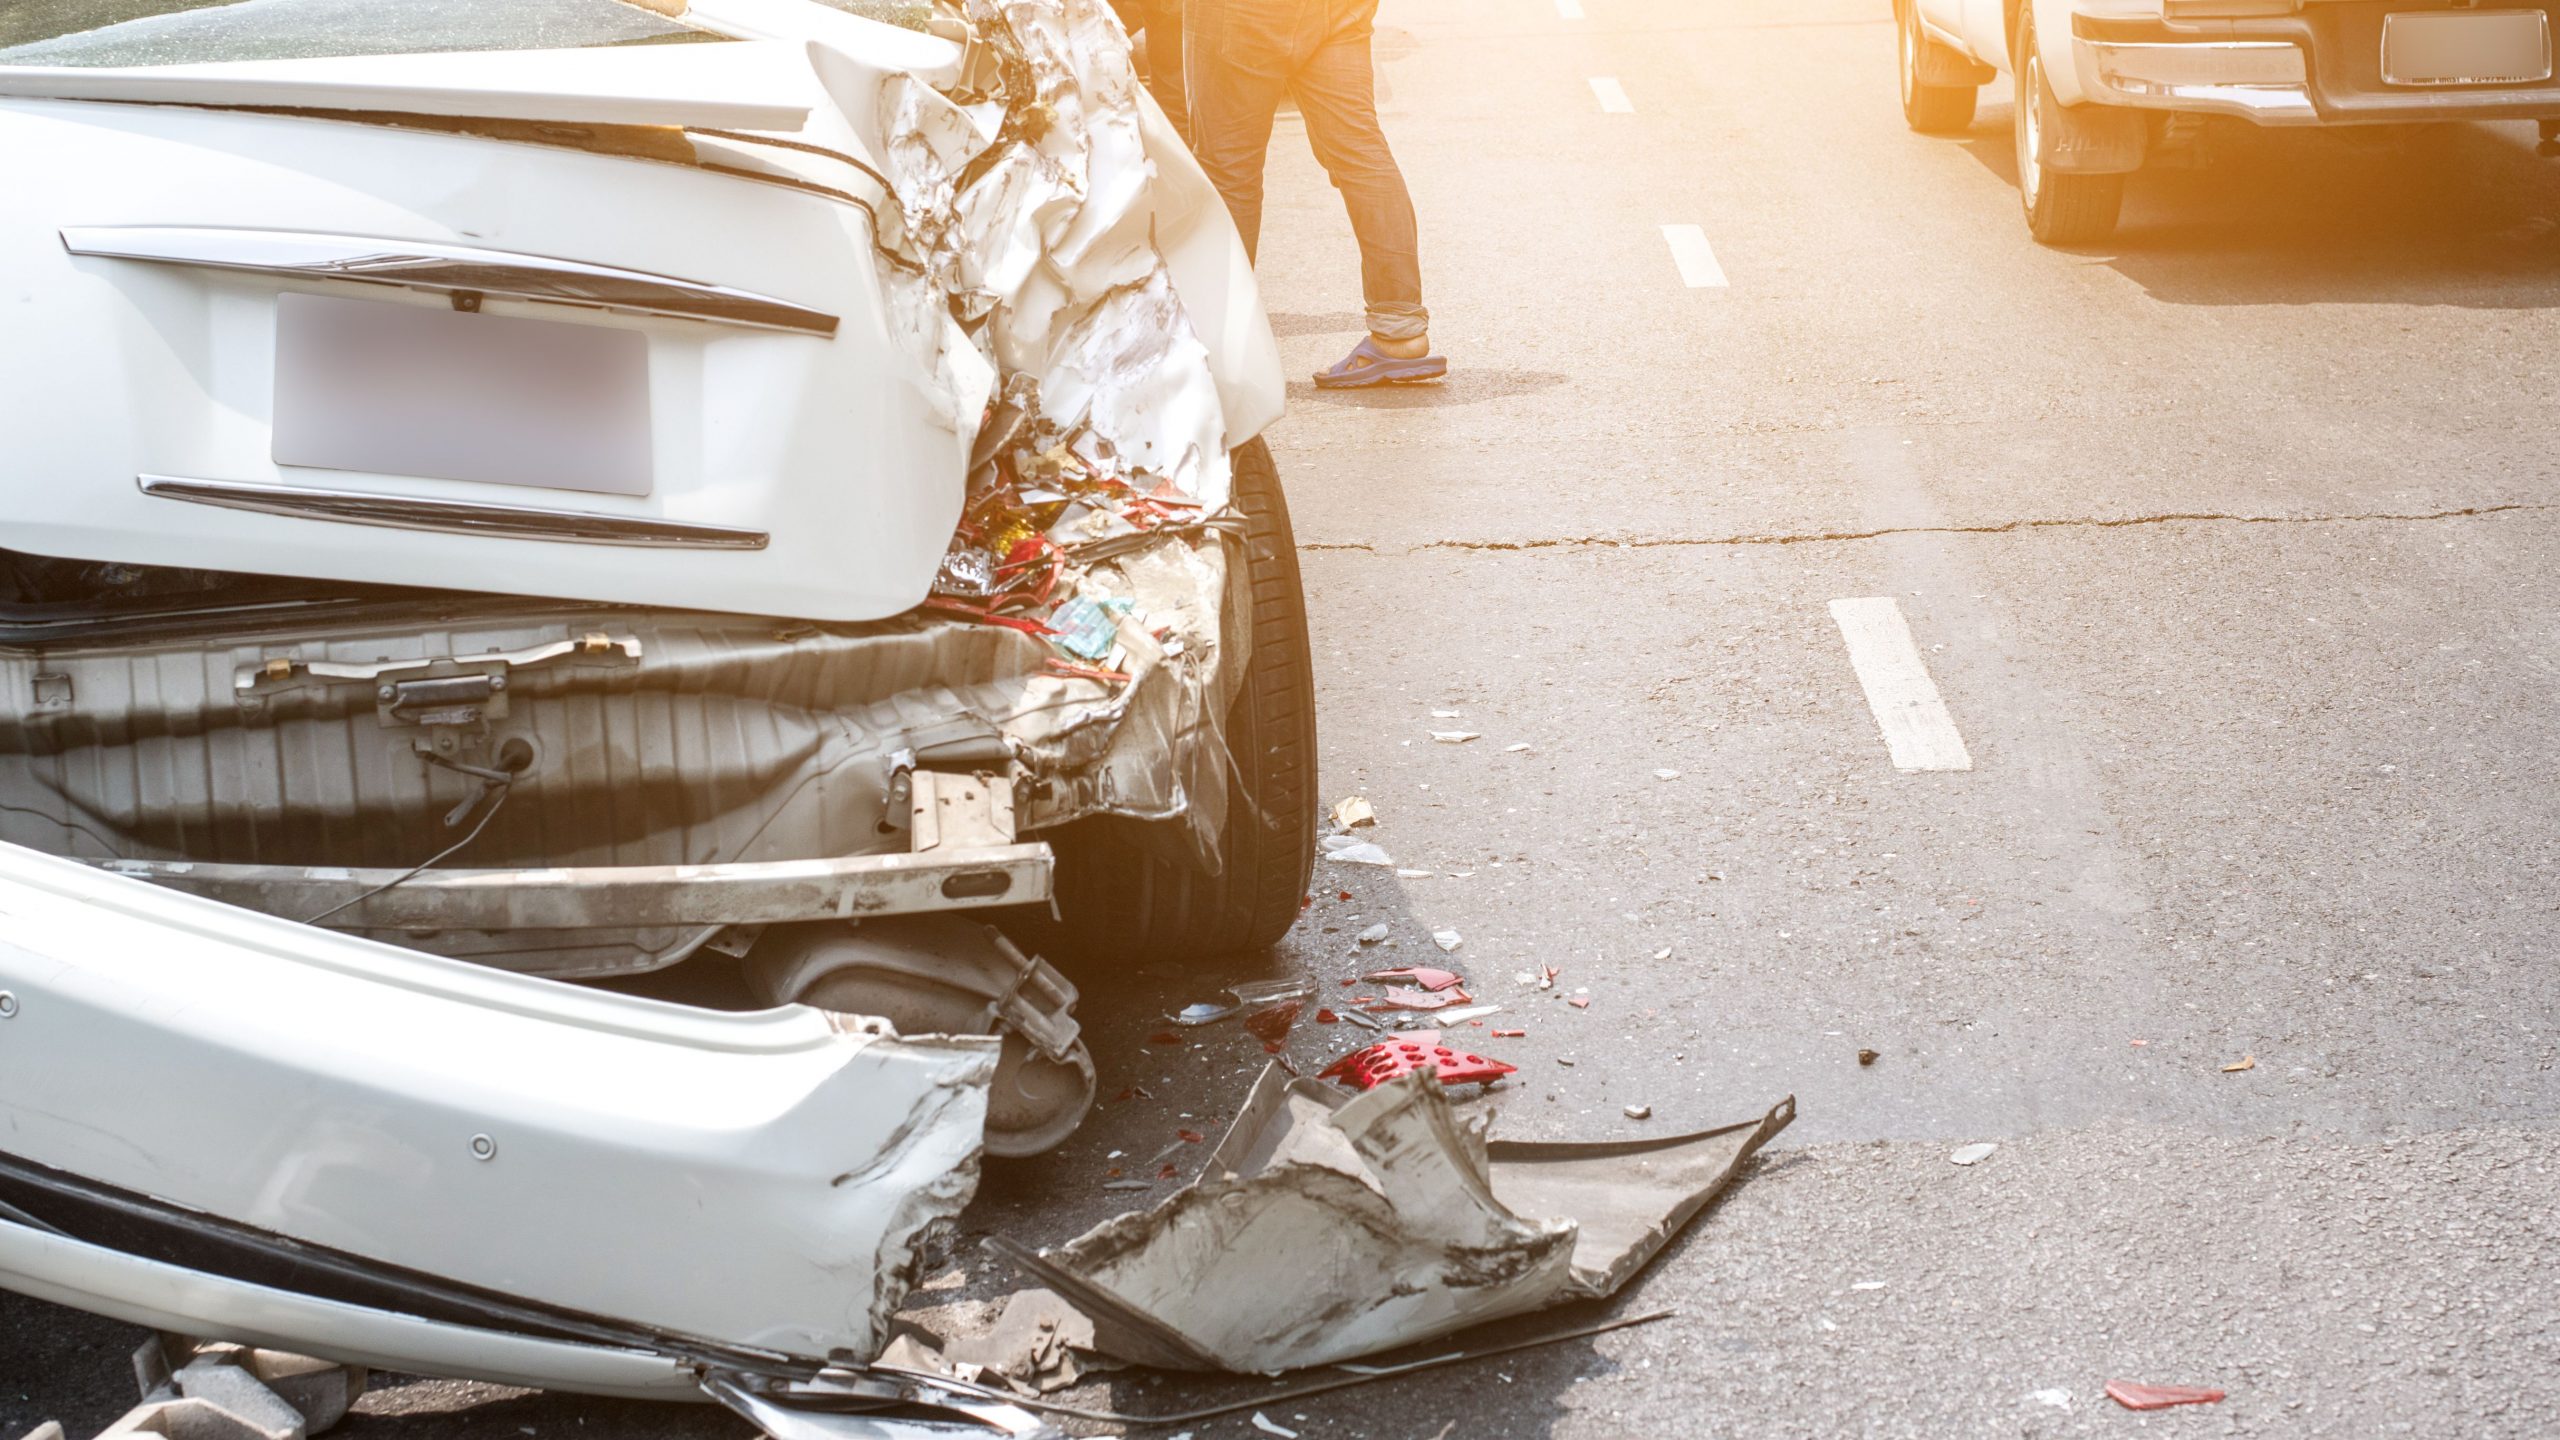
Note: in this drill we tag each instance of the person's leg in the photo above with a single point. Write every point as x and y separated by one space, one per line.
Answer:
1337 93
1238 53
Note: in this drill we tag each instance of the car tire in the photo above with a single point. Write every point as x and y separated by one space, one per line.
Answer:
1130 891
1929 109
2061 209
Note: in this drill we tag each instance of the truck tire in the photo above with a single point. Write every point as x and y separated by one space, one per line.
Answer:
1125 894
2061 209
1927 108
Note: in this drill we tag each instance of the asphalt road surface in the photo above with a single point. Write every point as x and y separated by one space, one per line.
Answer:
2230 546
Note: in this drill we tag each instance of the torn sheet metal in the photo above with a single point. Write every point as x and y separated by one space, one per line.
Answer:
1328 1227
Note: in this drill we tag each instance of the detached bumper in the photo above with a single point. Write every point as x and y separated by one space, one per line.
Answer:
2322 66
509 1176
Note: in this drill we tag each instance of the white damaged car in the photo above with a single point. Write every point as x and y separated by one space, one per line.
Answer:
505 491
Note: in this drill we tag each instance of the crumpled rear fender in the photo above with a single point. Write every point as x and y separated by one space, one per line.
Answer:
731 1180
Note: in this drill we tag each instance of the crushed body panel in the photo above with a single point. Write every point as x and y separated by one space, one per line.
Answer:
1329 1226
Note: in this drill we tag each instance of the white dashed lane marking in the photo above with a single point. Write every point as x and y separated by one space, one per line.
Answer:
1613 96
1917 729
1695 257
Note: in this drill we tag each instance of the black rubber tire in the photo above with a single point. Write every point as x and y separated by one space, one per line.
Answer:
1126 891
2060 209
1929 109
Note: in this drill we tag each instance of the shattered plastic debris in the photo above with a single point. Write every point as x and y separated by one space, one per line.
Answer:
1455 737
1639 1112
1354 812
1373 934
2057 1398
1392 1059
1268 1426
1425 976
1666 774
2134 1395
2245 1062
1973 1154
1272 1026
1447 940
1515 749
1510 1034
1409 997
1360 854
1329 1226
1464 1014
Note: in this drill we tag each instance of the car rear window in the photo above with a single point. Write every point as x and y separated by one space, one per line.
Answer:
187 32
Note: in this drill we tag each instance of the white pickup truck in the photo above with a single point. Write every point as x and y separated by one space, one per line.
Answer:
2101 82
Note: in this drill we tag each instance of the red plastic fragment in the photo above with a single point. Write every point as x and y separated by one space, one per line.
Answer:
1327 1017
1510 1034
1580 1002
1341 894
1166 1171
1190 1137
2133 1395
1134 1092
1391 1059
1272 1026
1422 975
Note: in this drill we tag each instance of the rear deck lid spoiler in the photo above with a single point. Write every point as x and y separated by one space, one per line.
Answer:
744 85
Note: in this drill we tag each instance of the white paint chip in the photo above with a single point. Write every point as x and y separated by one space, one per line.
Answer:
1695 257
1917 729
1613 96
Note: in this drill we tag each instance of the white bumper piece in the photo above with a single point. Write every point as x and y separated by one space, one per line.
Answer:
634 1171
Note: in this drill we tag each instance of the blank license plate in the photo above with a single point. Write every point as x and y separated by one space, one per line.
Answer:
408 390
2466 47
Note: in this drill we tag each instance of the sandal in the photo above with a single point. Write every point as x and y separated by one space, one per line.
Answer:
1369 365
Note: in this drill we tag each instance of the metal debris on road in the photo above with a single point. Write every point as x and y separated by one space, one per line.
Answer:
1241 998
1378 1220
1353 812
2133 1395
2245 1062
1973 1154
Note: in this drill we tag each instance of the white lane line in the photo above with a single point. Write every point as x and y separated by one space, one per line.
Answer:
1613 96
1695 257
1569 9
1917 729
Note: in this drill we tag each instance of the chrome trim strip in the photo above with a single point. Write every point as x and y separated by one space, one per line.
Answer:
453 517
447 269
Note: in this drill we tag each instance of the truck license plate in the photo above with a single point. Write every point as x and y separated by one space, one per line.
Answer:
2466 47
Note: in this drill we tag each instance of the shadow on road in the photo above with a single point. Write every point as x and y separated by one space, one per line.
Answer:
2460 215
1463 387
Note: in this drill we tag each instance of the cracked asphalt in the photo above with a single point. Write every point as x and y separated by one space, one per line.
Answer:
2231 548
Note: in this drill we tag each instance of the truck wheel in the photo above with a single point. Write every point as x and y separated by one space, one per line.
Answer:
1127 894
2062 209
1927 108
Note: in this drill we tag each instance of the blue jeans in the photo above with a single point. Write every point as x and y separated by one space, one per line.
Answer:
1244 55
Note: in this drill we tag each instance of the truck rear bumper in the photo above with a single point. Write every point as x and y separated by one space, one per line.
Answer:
2322 66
